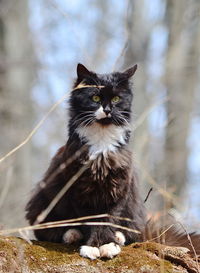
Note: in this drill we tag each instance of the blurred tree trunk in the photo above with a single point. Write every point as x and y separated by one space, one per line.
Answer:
138 34
101 35
15 108
181 81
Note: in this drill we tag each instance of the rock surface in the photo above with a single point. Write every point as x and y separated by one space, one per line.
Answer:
17 255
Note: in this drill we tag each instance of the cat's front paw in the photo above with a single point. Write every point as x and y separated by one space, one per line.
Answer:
72 236
109 250
120 238
89 252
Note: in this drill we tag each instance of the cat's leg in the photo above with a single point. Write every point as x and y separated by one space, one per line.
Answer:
91 247
106 238
54 235
59 235
110 244
103 242
120 238
114 238
72 235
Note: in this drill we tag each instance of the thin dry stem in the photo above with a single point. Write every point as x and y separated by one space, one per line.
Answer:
26 140
193 248
70 222
145 114
160 235
61 193
163 192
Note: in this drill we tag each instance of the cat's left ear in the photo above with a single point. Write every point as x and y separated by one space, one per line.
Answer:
130 71
83 72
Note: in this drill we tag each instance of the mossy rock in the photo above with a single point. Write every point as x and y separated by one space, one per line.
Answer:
17 255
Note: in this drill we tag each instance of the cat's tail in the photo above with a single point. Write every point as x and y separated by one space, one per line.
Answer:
173 234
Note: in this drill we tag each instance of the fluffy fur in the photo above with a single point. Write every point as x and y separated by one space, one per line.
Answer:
100 116
99 131
103 140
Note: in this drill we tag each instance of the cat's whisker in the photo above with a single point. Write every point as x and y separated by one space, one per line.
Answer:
76 121
125 112
87 122
122 119
115 120
83 113
82 119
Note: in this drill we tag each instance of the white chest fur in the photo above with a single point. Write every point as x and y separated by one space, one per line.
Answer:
103 139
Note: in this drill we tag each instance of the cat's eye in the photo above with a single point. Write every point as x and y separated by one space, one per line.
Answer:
115 99
96 98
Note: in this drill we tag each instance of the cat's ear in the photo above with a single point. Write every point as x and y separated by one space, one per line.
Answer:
83 72
128 73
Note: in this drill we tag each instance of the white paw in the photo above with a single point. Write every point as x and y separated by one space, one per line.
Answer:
72 235
109 250
120 238
89 252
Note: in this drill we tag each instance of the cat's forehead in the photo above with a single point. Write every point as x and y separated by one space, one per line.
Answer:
111 79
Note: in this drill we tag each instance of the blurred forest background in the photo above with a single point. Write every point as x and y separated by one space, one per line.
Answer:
41 42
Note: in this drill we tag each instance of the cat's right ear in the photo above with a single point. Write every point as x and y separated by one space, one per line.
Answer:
83 72
130 71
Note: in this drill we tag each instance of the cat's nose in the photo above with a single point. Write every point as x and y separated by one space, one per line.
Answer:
107 111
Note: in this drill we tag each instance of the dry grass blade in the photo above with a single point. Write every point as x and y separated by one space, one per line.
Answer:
25 235
37 227
105 224
192 246
151 181
35 129
6 187
90 224
60 194
148 194
162 233
145 114
88 217
62 166
62 223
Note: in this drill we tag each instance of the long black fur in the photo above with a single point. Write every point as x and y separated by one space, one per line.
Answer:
109 185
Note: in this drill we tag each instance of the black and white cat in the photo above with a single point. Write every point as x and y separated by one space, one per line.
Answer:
100 114
99 131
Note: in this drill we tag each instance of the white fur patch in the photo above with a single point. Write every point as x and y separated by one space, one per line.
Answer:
102 139
120 238
99 114
89 252
72 235
109 250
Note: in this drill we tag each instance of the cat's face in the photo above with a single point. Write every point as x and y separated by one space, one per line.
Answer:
101 98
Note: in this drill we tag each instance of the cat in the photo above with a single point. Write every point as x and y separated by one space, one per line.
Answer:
99 130
98 160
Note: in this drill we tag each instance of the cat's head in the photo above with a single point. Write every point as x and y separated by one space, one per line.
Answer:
101 98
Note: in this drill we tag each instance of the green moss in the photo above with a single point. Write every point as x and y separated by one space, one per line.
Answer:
49 257
51 254
137 260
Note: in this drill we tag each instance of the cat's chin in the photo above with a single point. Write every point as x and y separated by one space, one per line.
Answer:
104 121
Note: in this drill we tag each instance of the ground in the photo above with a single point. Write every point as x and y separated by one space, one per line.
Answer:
19 256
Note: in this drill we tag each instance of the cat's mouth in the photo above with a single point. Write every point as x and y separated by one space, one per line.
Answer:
104 121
